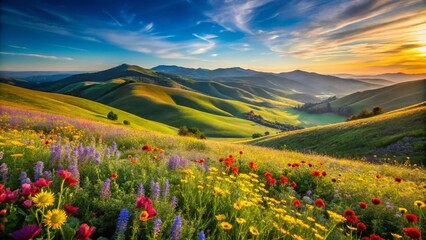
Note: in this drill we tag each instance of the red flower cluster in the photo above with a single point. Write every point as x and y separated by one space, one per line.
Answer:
229 161
234 170
252 166
412 233
315 173
372 237
269 179
41 183
411 217
397 179
8 196
376 201
350 216
201 160
283 180
361 227
146 203
66 175
362 205
293 184
70 209
146 148
319 203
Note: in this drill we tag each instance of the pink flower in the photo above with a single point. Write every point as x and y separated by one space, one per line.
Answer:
84 232
64 174
41 182
70 209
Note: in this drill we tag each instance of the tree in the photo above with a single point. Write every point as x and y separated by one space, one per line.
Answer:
364 113
378 110
125 122
256 135
266 133
112 116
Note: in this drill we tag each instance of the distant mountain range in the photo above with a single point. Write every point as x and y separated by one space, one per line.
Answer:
38 76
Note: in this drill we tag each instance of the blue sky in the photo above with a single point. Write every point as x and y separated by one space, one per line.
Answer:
329 36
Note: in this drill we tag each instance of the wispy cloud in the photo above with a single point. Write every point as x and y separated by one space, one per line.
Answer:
235 15
72 48
37 56
18 47
113 18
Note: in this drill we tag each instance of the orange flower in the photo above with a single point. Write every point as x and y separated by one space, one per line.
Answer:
315 173
144 216
114 176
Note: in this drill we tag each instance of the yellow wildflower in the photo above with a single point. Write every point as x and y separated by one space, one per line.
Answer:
43 199
225 225
240 220
220 217
396 235
419 204
55 218
254 231
17 155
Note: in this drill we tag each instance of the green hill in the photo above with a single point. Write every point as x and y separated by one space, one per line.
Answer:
389 98
72 107
394 131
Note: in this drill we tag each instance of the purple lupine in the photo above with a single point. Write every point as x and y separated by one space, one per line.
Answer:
73 168
156 190
166 189
97 157
113 147
67 152
38 170
176 228
55 152
176 162
152 183
174 202
107 153
122 220
3 171
105 192
201 236
141 190
117 154
157 227
47 175
23 177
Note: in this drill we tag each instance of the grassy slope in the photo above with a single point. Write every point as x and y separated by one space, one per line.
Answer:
389 98
177 107
71 106
357 137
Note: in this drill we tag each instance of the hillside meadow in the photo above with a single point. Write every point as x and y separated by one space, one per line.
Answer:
70 178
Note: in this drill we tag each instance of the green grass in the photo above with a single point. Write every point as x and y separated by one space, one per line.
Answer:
72 107
359 137
389 98
178 107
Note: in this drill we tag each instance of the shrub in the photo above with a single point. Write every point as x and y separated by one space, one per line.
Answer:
256 135
125 122
266 133
112 116
378 110
191 132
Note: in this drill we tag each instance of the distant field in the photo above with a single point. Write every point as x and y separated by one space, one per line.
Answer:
305 119
359 137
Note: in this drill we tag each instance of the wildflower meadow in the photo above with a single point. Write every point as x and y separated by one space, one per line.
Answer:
64 178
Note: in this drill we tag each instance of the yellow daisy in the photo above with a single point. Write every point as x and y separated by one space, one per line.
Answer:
225 225
254 231
44 199
419 204
241 220
402 210
220 217
55 218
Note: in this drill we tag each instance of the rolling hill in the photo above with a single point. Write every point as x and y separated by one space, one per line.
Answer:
383 133
72 107
393 77
389 98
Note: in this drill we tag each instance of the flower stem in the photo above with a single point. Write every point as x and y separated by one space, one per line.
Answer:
60 194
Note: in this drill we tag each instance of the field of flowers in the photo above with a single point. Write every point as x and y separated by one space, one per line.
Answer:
64 178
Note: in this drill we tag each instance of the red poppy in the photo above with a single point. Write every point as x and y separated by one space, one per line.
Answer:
46 142
397 179
295 165
114 176
310 164
202 160
241 152
221 159
64 174
412 233
324 173
146 148
293 184
361 227
71 181
375 237
229 162
362 205
315 173
377 176
70 209
351 217
283 180
411 217
334 180
271 181
41 182
84 232
235 170
376 201
319 203
289 164
303 161
296 203
349 212
267 174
